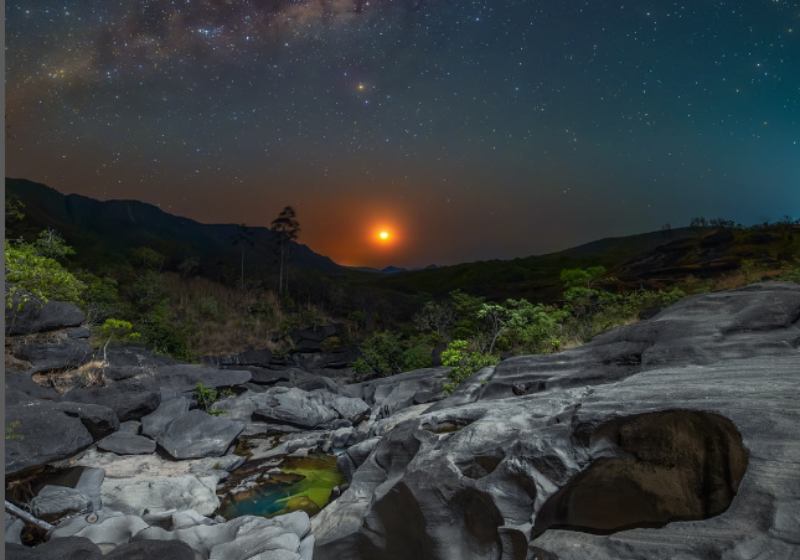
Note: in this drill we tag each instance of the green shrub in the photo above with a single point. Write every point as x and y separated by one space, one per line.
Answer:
417 357
206 396
42 276
383 353
464 363
209 308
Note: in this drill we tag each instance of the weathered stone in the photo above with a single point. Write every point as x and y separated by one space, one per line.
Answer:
127 444
71 548
64 354
35 316
54 502
155 424
248 358
198 434
106 528
99 420
293 407
688 416
41 433
135 496
131 399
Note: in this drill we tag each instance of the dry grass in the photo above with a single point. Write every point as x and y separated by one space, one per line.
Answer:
88 375
224 320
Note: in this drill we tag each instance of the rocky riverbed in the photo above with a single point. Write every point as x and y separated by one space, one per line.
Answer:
676 437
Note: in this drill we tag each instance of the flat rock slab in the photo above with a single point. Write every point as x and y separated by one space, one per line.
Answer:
155 424
155 494
127 444
198 434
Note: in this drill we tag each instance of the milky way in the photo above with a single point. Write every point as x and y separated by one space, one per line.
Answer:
475 129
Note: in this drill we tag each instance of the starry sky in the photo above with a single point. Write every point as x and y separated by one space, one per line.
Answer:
468 129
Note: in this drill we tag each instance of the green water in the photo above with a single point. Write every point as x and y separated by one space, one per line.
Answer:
289 492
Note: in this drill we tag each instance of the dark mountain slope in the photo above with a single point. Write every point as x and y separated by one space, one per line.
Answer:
106 229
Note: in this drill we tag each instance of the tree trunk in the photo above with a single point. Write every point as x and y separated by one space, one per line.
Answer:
242 285
280 274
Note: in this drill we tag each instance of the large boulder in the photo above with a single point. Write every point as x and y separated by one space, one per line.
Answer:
689 416
392 394
130 399
54 502
311 339
37 432
66 353
28 314
198 434
294 407
335 358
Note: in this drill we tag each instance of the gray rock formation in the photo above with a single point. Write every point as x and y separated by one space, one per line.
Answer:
41 433
127 444
677 435
54 502
294 407
135 496
197 434
155 424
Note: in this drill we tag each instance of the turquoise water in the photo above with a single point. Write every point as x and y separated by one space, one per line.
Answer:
305 484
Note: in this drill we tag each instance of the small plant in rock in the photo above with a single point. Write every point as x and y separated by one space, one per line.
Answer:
206 396
464 363
118 328
10 431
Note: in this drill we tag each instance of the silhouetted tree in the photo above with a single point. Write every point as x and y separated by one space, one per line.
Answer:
287 227
243 237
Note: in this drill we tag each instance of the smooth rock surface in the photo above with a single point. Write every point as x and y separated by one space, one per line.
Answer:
155 424
706 391
198 434
127 444
35 316
159 493
54 502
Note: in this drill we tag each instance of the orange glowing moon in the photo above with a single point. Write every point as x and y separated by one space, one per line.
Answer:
384 235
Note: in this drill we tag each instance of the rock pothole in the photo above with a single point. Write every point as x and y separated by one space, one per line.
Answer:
657 468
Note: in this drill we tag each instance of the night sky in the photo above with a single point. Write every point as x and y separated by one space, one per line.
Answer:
466 129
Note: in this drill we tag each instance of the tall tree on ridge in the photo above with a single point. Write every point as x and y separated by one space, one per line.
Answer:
287 227
243 236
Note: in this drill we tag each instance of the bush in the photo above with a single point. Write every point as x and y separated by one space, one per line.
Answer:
464 363
417 357
42 276
209 308
383 353
157 332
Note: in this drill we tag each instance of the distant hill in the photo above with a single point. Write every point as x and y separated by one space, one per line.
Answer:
104 230
391 269
535 277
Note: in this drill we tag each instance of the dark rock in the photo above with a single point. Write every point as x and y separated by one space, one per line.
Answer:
152 549
506 355
271 376
335 358
15 551
318 335
131 399
392 394
436 355
184 378
65 354
44 434
197 434
79 332
127 444
35 316
99 420
55 502
138 356
650 312
69 548
25 388
423 397
119 373
248 358
155 424
131 427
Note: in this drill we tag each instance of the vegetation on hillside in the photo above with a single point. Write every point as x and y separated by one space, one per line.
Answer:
178 309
